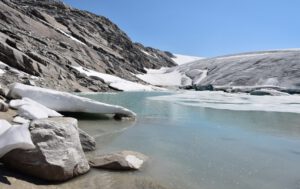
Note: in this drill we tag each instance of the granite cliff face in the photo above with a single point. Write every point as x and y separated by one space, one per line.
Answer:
45 38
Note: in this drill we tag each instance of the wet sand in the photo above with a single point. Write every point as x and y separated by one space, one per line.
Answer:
95 179
9 115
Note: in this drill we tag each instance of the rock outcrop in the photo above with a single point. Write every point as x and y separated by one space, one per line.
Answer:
44 38
58 155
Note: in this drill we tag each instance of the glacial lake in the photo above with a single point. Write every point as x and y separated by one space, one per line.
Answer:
192 147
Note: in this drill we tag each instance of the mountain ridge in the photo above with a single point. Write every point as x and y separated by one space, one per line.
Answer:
46 38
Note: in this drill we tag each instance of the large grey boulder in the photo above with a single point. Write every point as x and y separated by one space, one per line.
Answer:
58 155
88 142
125 160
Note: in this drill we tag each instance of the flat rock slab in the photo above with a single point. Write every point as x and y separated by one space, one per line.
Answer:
124 160
58 155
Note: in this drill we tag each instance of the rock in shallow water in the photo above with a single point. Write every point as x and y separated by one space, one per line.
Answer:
58 155
125 160
88 142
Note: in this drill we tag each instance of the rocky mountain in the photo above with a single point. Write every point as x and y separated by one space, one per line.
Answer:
42 40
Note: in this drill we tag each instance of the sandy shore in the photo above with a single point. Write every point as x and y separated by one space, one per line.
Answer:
95 179
9 115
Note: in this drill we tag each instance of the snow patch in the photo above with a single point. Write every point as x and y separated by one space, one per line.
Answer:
65 102
177 76
161 77
71 37
16 137
238 102
20 120
30 109
146 53
183 59
4 126
116 82
2 72
134 162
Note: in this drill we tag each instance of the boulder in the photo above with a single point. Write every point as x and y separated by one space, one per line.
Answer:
3 91
30 109
88 142
125 160
3 106
58 155
208 87
20 120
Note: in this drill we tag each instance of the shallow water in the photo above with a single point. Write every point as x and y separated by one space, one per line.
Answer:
199 148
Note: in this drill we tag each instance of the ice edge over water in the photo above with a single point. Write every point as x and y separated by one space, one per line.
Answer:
237 102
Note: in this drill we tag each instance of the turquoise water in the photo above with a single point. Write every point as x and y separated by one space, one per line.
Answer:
201 148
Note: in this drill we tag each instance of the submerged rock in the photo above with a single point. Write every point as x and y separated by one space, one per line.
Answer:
88 142
58 155
208 87
125 160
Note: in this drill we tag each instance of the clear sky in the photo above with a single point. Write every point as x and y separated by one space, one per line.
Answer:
204 27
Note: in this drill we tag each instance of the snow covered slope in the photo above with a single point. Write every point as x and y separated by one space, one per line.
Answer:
278 68
116 82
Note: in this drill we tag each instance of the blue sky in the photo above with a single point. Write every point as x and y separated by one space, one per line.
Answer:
204 27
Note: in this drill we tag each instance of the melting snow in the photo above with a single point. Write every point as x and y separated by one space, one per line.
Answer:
183 59
71 37
239 102
117 82
15 137
65 102
134 161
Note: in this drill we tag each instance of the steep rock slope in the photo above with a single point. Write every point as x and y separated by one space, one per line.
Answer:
47 38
